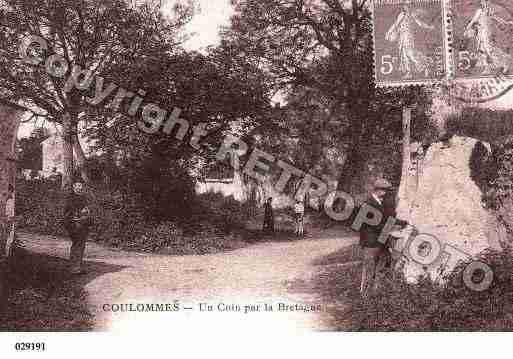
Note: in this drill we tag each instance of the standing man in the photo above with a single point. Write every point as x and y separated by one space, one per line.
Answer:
299 212
78 221
374 253
268 216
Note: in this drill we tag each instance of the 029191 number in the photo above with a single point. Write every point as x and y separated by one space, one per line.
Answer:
38 347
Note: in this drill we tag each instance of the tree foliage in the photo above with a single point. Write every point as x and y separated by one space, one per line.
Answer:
324 48
97 37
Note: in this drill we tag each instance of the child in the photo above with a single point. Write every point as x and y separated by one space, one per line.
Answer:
299 211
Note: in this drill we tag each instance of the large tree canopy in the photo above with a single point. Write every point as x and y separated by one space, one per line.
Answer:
324 46
99 37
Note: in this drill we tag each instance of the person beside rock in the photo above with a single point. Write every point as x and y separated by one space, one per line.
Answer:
375 254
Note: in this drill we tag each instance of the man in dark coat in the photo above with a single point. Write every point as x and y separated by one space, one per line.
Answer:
268 216
78 221
375 254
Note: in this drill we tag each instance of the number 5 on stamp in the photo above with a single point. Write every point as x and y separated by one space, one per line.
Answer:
410 44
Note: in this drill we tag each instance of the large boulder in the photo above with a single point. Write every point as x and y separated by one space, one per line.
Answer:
445 201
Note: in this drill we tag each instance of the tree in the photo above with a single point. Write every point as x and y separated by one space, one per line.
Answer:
97 37
8 127
211 90
325 46
93 38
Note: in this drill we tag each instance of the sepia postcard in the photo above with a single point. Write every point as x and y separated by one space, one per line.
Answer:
256 177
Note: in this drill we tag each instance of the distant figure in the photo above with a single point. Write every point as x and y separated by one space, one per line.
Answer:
299 213
34 175
9 204
268 216
78 221
55 176
446 139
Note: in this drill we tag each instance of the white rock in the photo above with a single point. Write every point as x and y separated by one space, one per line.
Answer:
447 205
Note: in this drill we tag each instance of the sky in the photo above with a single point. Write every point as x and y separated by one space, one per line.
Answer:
206 24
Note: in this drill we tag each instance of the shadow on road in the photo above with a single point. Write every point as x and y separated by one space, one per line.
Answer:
343 256
337 283
45 297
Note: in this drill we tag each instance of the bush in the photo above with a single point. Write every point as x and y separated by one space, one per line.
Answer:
40 206
156 237
499 195
217 213
117 217
121 220
430 306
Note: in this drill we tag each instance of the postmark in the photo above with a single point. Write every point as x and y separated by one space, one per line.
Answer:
482 49
410 42
479 90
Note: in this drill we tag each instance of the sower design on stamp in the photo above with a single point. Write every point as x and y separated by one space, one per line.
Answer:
482 31
409 42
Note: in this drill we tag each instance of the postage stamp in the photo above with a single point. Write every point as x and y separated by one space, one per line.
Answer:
482 48
410 42
482 38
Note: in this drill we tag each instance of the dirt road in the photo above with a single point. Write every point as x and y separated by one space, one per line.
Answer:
251 289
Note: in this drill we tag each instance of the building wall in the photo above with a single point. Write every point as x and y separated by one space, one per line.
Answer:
52 155
219 186
9 120
235 187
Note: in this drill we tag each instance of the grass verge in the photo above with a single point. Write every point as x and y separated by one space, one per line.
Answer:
43 296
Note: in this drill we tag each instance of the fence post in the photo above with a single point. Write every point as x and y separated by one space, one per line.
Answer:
404 189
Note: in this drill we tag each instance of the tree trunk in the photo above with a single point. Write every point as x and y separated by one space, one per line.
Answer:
81 160
67 151
9 120
351 178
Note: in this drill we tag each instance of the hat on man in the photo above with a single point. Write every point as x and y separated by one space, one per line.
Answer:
382 183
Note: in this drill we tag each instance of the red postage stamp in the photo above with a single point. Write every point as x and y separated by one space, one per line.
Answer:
410 42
